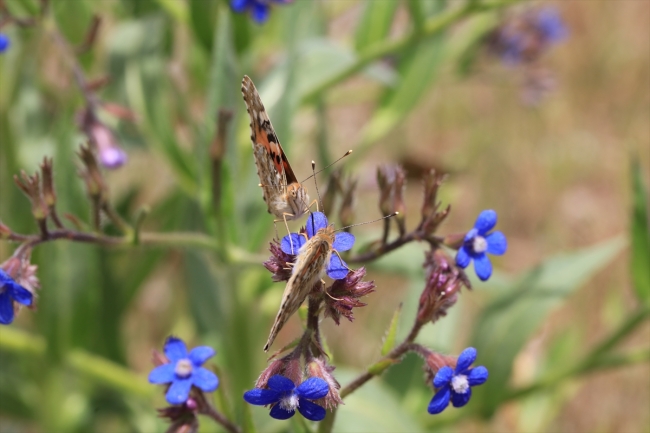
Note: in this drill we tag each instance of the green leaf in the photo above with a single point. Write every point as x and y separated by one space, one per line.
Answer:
640 235
204 290
507 323
375 23
202 18
391 335
373 408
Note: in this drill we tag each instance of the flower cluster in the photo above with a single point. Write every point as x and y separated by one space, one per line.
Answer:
183 370
455 385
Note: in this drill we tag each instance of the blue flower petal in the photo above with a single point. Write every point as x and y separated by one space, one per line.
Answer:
262 397
4 277
470 235
443 376
460 400
298 241
239 5
315 222
486 221
311 411
200 354
204 379
162 374
278 412
477 376
343 241
482 266
439 401
497 243
337 268
313 388
175 349
179 390
465 359
260 12
5 42
6 308
280 383
462 257
19 293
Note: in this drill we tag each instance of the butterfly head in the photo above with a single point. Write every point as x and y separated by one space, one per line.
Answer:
298 199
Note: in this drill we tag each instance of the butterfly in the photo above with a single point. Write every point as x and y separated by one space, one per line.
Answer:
285 197
314 257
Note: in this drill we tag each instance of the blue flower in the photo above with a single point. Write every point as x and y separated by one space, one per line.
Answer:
549 24
258 9
285 397
5 42
184 371
343 241
478 243
11 291
457 385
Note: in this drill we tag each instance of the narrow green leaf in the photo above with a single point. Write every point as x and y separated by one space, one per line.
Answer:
507 323
375 23
391 334
203 15
640 235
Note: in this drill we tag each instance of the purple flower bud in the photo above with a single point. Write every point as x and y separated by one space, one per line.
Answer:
110 154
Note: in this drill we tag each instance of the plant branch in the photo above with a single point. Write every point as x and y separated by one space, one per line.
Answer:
206 408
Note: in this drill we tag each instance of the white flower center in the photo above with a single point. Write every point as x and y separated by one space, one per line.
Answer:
460 384
289 403
479 244
183 368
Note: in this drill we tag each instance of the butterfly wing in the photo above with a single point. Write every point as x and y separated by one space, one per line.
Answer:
311 261
273 168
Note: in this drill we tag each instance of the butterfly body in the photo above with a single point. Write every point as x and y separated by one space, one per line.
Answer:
285 197
310 264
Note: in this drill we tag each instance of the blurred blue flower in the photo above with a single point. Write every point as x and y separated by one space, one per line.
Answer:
550 25
343 241
526 37
286 397
478 243
11 291
5 42
258 9
456 385
184 371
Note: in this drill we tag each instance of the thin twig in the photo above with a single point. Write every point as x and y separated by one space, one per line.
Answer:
206 408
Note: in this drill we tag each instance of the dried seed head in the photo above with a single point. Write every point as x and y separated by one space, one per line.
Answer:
49 194
317 367
31 186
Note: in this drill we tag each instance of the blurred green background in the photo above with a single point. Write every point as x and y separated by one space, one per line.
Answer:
559 175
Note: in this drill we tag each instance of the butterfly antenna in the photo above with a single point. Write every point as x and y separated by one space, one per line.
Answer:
368 222
313 168
325 168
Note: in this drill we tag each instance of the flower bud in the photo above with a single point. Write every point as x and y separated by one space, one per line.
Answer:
386 180
288 366
31 186
92 176
277 264
317 367
398 199
346 214
343 295
431 217
443 283
48 186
